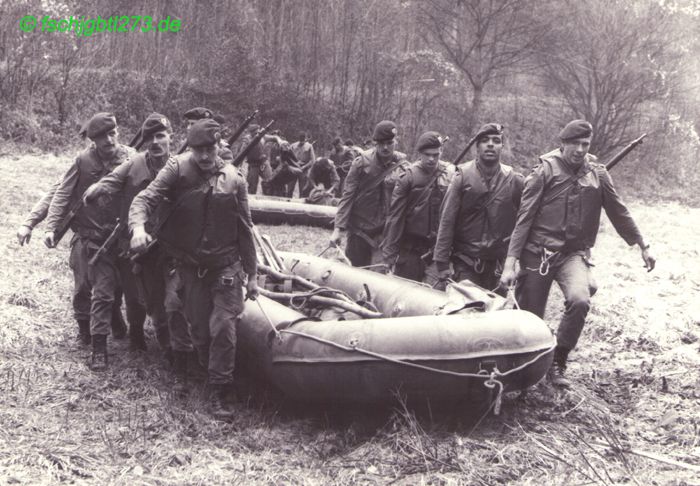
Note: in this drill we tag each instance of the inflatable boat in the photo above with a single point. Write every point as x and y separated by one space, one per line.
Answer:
386 336
280 210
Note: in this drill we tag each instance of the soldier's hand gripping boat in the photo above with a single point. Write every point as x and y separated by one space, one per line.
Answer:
355 336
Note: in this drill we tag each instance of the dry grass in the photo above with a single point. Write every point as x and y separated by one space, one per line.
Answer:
636 372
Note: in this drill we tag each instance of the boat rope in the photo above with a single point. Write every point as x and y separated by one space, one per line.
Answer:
491 379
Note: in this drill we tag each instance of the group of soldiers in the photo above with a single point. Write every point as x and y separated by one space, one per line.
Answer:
171 235
482 221
189 280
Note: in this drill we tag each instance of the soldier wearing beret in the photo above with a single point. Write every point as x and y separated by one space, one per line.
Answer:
215 258
200 113
92 224
153 281
479 213
556 228
82 288
414 214
364 205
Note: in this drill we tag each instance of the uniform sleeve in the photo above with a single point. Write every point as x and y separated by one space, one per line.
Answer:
617 212
245 242
335 180
62 198
396 219
115 180
342 217
531 198
41 209
146 201
519 184
448 219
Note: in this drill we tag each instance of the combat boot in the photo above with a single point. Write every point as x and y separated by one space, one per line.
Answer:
99 360
118 324
557 371
84 337
220 409
180 385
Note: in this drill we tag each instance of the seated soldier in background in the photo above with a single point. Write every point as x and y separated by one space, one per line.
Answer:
324 182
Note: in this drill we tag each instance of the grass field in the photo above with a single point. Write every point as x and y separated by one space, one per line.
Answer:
633 416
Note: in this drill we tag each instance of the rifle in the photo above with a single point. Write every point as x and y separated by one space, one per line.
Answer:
232 139
612 163
471 142
258 136
109 242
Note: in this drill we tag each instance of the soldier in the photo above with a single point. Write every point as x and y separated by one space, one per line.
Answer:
556 227
306 156
414 215
93 224
479 213
364 205
255 158
214 258
324 181
342 157
153 280
81 288
284 170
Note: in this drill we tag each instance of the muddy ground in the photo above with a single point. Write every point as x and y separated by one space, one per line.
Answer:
633 416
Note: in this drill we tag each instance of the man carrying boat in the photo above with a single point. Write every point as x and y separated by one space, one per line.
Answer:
215 258
152 279
364 205
92 225
414 214
479 213
556 228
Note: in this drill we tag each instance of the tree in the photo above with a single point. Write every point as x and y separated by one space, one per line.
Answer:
613 58
484 39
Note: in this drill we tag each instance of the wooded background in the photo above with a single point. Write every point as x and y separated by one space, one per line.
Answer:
336 67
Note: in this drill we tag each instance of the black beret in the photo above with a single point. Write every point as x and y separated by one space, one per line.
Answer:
203 133
98 124
489 129
385 131
154 123
429 140
198 113
576 129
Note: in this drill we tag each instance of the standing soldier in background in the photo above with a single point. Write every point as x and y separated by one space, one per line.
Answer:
255 158
156 282
364 205
215 257
479 213
306 156
81 287
93 224
414 215
342 157
556 228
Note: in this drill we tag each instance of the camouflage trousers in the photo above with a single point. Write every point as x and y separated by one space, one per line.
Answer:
573 275
82 290
213 305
